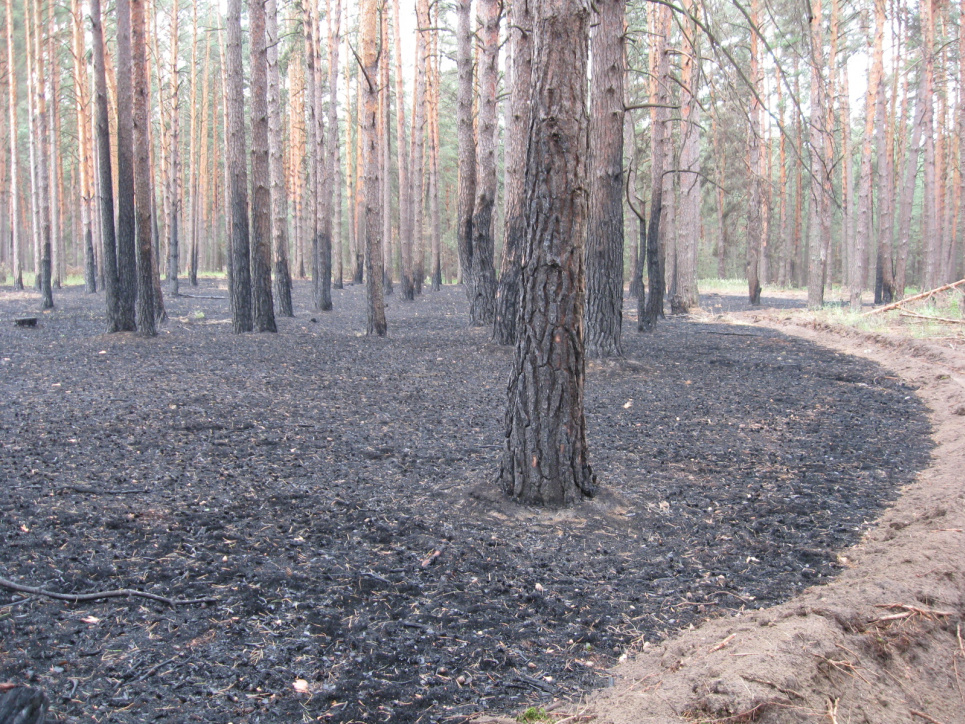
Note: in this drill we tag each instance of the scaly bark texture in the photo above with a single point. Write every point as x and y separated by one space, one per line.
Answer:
483 286
375 301
545 460
146 322
263 308
604 241
240 281
517 135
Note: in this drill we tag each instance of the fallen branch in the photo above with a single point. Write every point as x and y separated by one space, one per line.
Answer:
911 610
199 296
94 491
923 295
945 320
119 593
924 716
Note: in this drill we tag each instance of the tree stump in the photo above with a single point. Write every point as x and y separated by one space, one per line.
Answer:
25 322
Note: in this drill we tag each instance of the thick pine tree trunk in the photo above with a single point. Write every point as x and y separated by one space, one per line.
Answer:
322 283
263 309
375 302
545 460
604 241
507 291
483 287
242 320
146 323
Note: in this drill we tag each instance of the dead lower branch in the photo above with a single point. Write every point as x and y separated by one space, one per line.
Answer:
944 320
118 593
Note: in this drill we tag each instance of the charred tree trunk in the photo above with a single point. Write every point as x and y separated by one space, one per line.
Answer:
105 193
126 243
604 241
467 145
276 171
507 292
545 460
263 308
143 194
240 281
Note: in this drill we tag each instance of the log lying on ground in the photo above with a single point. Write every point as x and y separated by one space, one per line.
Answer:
923 295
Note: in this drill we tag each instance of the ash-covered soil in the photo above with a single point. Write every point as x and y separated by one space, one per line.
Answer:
334 493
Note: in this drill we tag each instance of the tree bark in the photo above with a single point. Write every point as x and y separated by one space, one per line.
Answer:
604 241
545 460
755 226
507 291
407 290
650 308
242 319
263 308
864 229
334 20
278 193
174 181
820 225
417 163
126 244
146 323
82 101
105 192
15 226
375 302
466 144
39 84
483 286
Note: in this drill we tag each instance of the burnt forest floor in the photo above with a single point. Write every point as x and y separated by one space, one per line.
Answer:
335 494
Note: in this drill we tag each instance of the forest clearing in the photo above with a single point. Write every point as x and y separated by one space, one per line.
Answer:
334 494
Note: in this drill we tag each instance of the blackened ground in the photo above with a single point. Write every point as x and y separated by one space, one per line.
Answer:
335 493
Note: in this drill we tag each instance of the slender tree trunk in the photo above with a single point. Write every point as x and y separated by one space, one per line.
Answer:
55 179
43 166
508 290
174 177
467 144
435 221
688 202
334 20
907 192
375 304
385 153
483 286
820 229
604 242
193 163
407 291
82 101
755 227
322 281
930 196
105 181
242 318
16 266
278 192
417 153
652 308
864 230
638 232
146 325
545 460
126 243
263 309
